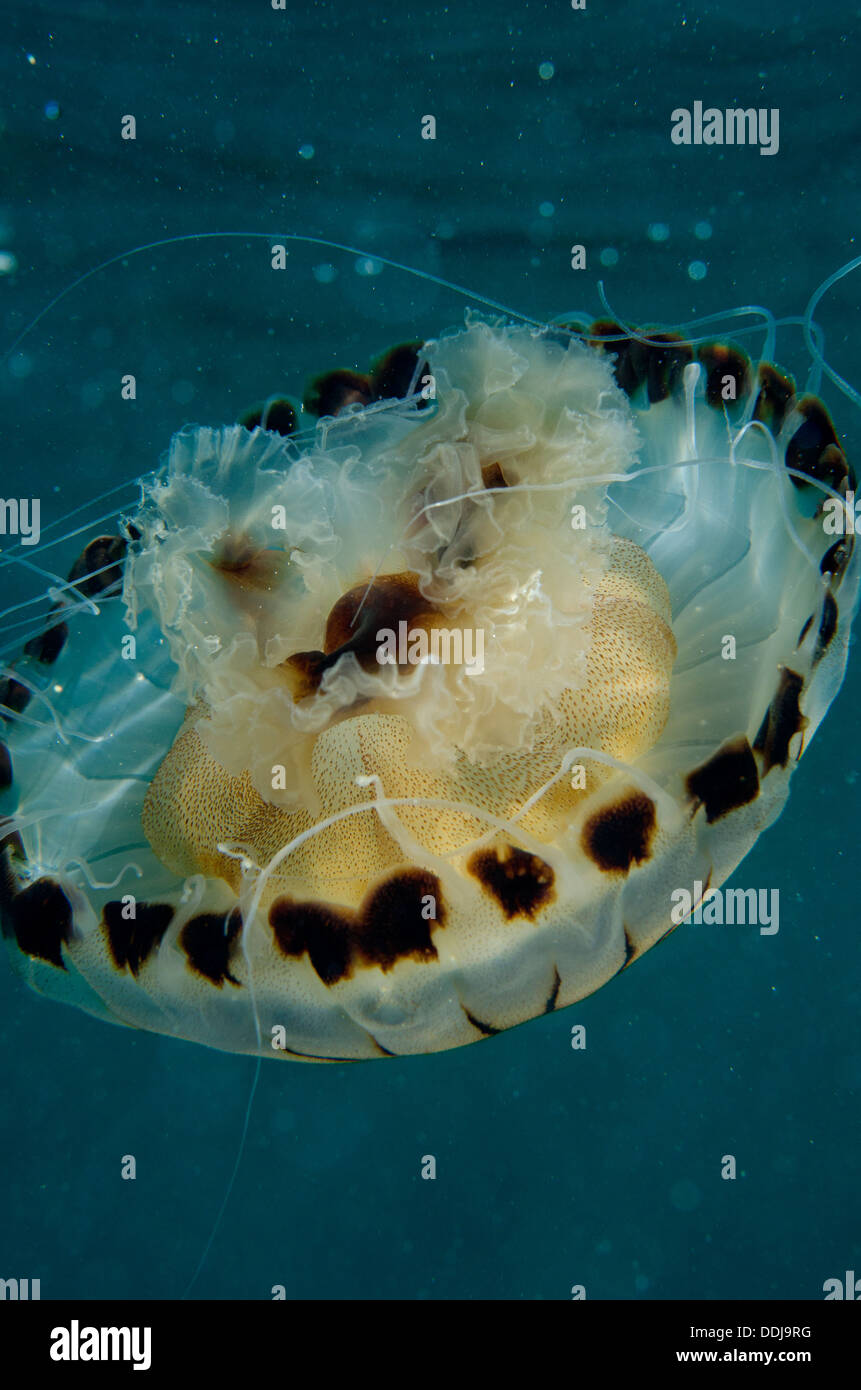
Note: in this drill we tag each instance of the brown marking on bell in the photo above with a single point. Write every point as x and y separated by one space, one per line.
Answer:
550 1001
486 1028
392 373
630 949
249 566
104 554
783 720
813 448
727 780
667 355
632 362
605 335
305 672
390 925
776 391
131 941
722 360
390 599
827 627
318 930
209 942
5 767
46 647
804 631
493 476
332 392
41 921
14 696
621 835
519 882
836 558
278 416
833 467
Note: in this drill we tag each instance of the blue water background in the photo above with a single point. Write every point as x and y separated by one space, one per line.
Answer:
555 1167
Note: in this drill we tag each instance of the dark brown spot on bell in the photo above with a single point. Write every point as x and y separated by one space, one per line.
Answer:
391 599
827 627
48 645
41 921
393 373
837 557
99 567
131 941
5 766
776 391
209 942
13 695
658 364
393 923
493 476
833 468
728 780
632 361
278 416
783 719
667 356
621 835
323 932
308 670
605 335
722 361
520 882
630 950
813 448
332 392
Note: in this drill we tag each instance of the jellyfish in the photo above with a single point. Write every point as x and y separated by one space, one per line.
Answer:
378 726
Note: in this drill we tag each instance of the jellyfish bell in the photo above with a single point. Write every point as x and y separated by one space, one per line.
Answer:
256 792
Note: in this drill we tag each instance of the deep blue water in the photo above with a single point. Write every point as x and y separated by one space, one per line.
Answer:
555 1167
